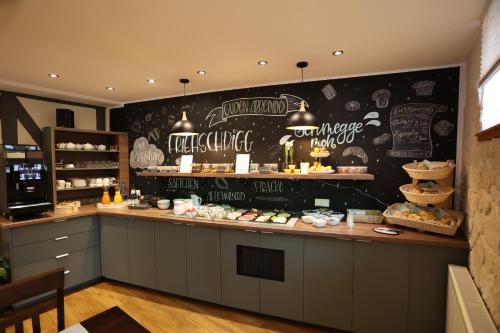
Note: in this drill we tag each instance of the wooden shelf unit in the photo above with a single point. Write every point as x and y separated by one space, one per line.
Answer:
316 176
54 135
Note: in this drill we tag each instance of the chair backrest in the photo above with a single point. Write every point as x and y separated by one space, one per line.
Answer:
27 288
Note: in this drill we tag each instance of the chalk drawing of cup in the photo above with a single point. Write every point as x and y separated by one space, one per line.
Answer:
424 88
381 98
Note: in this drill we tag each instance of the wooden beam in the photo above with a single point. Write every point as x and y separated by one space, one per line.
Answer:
100 117
53 100
8 115
28 123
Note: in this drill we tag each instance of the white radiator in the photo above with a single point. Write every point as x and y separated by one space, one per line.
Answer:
465 310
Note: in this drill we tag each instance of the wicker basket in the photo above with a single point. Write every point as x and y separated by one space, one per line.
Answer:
426 198
367 218
437 228
429 174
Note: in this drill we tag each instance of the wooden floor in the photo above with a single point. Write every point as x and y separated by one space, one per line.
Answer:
160 312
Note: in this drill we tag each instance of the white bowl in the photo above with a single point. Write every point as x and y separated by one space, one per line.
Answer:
333 221
308 219
319 223
163 203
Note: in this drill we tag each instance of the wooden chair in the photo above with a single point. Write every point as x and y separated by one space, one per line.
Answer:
25 289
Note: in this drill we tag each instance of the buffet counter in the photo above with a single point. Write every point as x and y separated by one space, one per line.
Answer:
361 231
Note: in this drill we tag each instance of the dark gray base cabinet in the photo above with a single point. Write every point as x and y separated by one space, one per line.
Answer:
284 299
114 248
170 244
380 290
128 250
238 291
428 286
203 263
328 277
141 252
72 244
270 296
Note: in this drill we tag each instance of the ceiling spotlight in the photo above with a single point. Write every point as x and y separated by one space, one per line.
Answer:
201 72
262 62
54 75
151 81
338 53
110 88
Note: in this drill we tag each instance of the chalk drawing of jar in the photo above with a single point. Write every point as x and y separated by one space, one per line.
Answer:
411 129
381 98
423 88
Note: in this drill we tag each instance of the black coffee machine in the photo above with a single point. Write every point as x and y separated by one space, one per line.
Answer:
23 181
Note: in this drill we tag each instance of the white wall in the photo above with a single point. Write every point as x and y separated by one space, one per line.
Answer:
44 114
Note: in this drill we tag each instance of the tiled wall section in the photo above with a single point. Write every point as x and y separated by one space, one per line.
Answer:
481 195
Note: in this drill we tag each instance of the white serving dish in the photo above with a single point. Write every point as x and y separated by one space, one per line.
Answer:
163 204
319 223
333 221
308 219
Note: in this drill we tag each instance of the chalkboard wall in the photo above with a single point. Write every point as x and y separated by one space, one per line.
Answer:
381 121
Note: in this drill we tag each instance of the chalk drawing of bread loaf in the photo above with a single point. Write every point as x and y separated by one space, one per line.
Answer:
356 151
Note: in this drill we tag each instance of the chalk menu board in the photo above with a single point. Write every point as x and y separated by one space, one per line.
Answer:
379 121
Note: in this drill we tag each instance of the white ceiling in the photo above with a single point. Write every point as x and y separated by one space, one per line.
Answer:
122 43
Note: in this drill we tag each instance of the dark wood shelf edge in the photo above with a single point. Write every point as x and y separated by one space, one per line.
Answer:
261 176
488 134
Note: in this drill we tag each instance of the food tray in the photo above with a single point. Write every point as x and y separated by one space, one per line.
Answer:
430 226
319 155
426 198
322 172
429 174
366 218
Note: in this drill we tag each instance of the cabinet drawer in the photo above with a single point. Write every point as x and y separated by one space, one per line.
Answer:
50 230
80 266
47 249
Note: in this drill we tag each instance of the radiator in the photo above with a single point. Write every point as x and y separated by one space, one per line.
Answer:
465 310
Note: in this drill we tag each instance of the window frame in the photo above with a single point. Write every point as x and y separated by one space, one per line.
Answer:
493 131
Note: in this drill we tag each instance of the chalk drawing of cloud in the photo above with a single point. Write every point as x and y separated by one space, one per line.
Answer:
144 154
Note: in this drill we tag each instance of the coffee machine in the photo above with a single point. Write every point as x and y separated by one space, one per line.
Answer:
23 181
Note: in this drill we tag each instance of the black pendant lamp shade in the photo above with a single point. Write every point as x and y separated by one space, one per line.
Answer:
184 127
302 120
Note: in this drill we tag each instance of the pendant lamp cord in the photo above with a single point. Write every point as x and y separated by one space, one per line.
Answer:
302 73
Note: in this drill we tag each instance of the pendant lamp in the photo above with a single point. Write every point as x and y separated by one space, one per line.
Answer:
302 120
184 127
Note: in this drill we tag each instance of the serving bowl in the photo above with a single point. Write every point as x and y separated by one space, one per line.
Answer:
308 219
319 223
163 203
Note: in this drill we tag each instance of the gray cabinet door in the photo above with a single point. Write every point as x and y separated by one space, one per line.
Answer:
328 265
284 298
380 290
114 248
238 291
141 251
203 263
170 241
428 286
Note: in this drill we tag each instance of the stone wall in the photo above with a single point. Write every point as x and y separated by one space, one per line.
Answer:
480 194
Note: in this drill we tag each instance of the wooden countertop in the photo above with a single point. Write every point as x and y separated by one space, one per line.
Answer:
361 231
